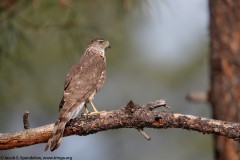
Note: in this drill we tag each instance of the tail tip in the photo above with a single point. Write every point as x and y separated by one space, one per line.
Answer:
46 147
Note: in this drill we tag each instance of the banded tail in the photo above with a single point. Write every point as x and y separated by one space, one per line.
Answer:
66 113
56 137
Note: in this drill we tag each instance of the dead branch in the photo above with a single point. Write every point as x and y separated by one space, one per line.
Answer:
129 116
144 134
26 124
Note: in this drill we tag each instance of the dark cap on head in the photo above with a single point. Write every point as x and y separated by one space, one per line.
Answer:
100 42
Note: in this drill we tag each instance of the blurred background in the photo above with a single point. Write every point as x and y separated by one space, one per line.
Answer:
159 50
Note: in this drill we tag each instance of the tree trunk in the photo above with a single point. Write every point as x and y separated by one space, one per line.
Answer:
225 71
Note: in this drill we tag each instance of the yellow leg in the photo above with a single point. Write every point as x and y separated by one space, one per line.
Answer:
94 108
86 110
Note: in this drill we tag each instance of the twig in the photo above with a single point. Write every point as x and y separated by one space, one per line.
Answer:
157 104
145 135
25 120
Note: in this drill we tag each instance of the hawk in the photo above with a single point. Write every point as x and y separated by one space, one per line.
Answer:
83 81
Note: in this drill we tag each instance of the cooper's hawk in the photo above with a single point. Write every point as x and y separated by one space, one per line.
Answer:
83 81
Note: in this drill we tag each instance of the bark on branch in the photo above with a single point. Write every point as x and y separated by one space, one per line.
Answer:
129 116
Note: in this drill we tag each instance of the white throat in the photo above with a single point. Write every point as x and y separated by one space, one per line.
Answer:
97 50
102 52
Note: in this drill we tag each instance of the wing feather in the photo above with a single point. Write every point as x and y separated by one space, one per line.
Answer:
83 78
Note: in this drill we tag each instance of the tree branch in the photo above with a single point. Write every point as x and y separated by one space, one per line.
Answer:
129 116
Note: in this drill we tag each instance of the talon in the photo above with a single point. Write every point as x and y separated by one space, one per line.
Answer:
95 113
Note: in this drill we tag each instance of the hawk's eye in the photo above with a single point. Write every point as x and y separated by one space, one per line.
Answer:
100 41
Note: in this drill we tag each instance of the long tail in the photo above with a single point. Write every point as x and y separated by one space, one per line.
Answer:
66 113
56 137
64 117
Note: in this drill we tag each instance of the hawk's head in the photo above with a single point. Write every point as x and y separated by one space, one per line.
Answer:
100 43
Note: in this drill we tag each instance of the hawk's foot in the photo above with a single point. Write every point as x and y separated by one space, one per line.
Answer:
95 112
